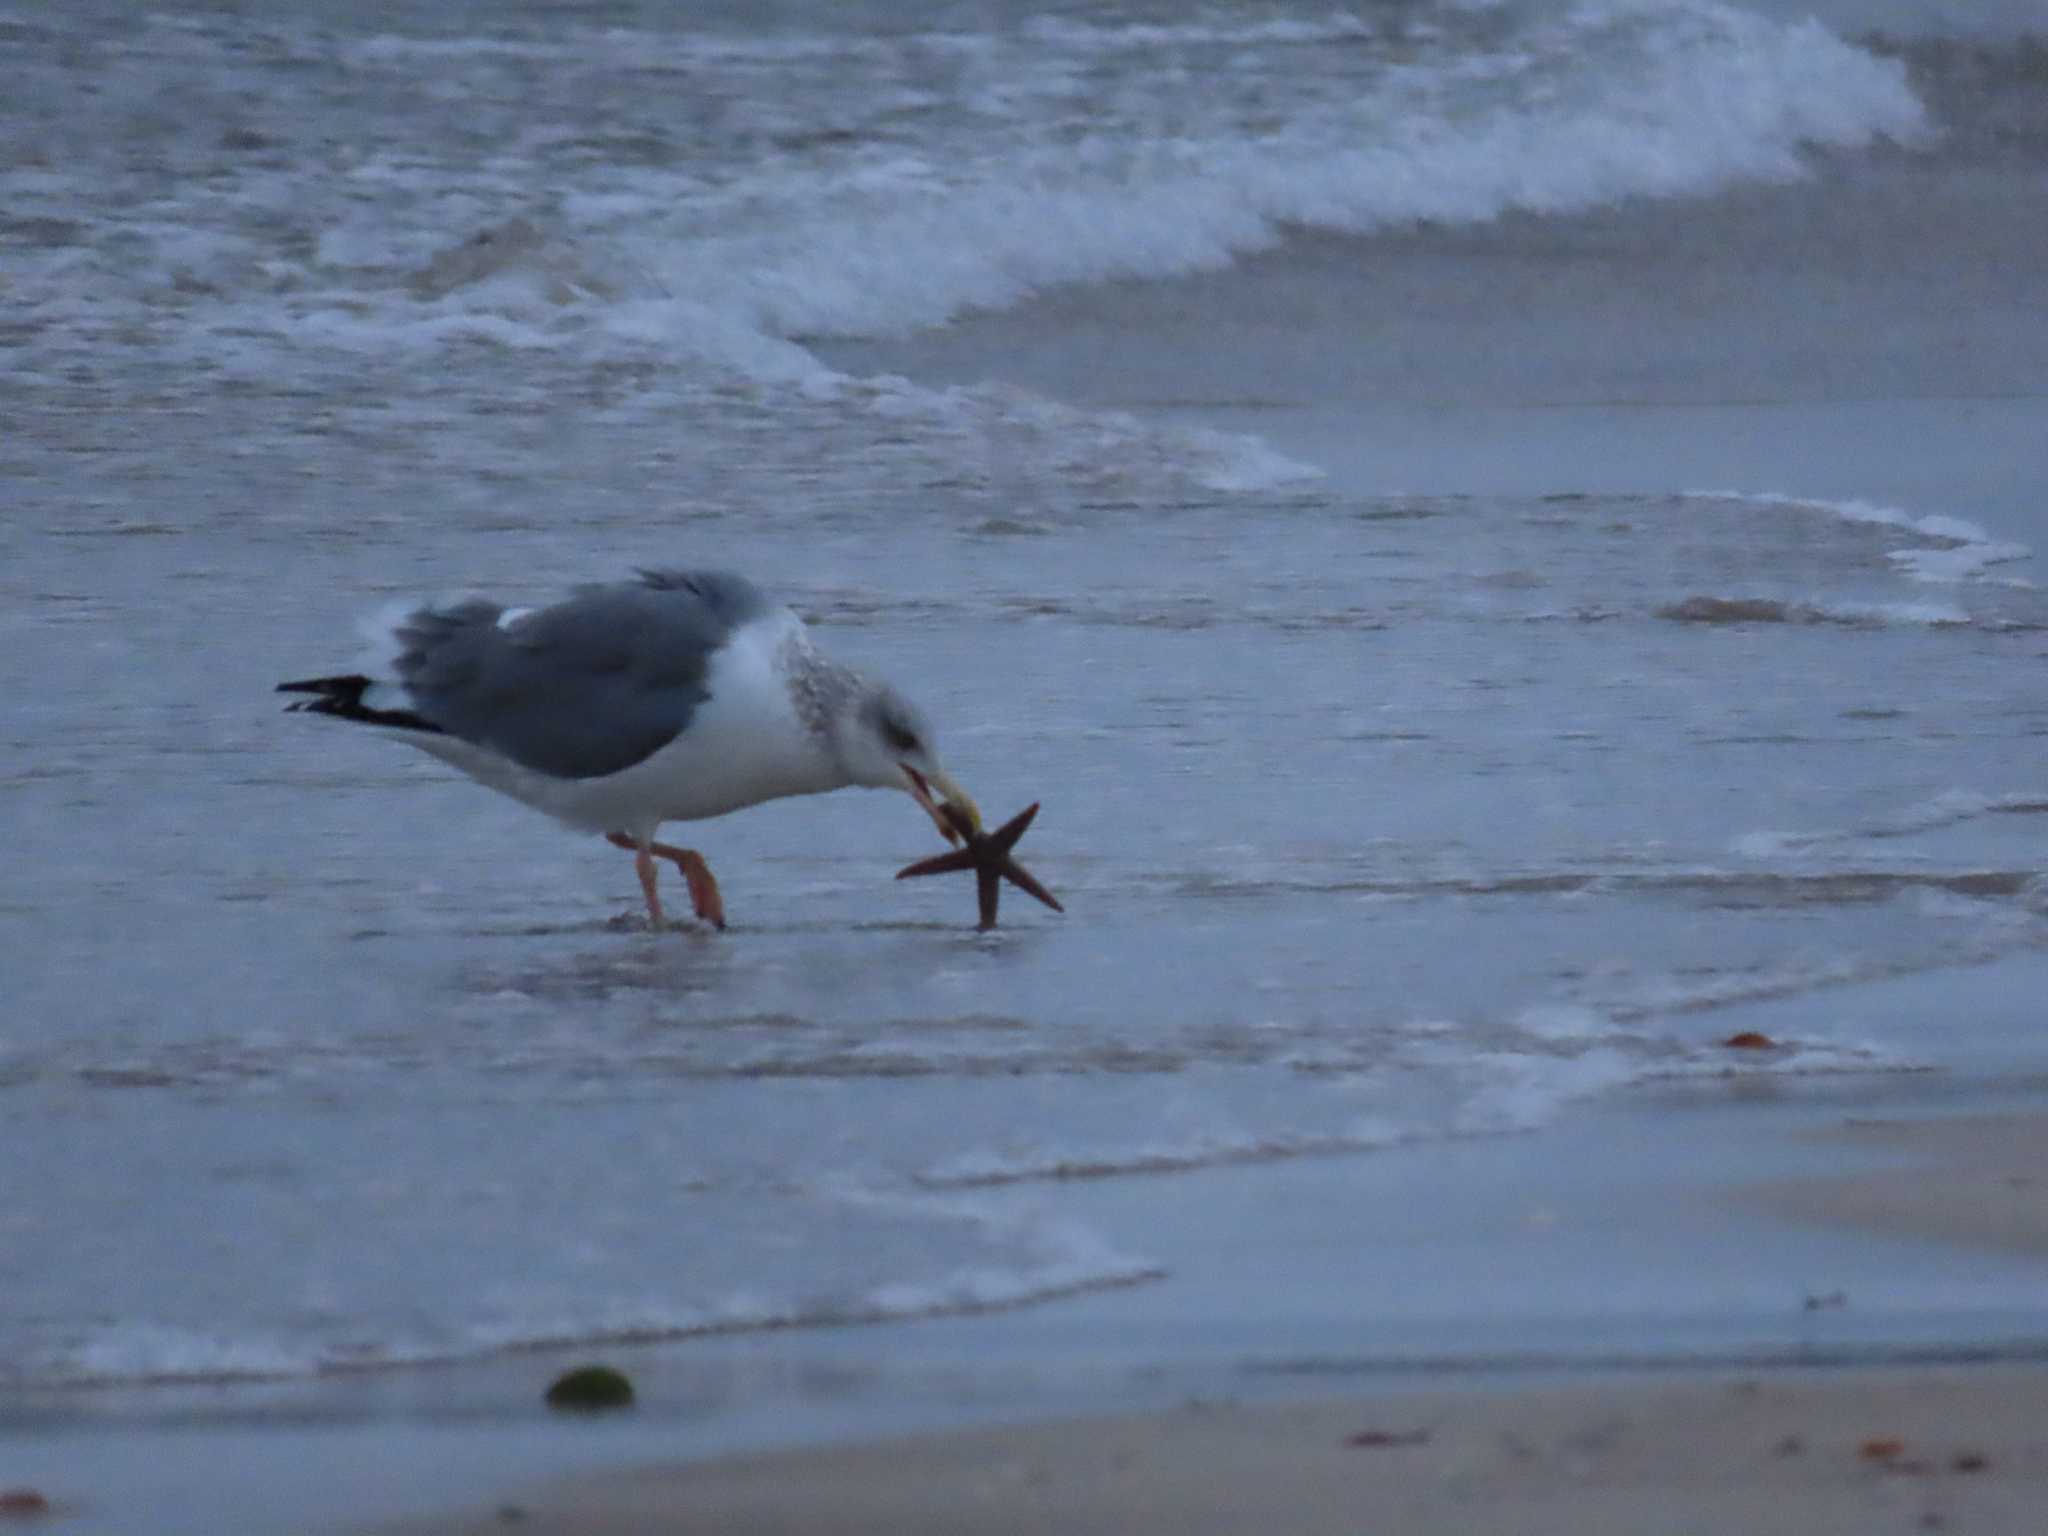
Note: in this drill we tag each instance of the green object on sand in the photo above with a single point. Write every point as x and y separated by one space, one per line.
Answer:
590 1389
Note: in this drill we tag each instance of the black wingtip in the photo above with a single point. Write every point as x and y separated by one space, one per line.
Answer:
342 697
351 685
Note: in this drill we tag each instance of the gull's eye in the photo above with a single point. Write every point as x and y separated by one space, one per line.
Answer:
898 738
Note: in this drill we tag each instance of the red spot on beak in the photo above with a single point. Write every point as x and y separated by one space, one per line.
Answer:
921 791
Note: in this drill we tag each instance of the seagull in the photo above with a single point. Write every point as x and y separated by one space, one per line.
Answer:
675 696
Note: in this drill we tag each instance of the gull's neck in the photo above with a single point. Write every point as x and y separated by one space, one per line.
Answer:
821 691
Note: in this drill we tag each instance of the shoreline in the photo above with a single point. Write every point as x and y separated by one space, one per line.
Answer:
1765 1445
1690 1266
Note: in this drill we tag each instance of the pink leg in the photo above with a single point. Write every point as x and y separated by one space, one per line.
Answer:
643 862
704 897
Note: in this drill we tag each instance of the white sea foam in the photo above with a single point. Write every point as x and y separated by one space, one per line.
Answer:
1059 151
1120 37
1565 1054
957 1292
1529 1089
1325 124
1074 1262
1965 562
1614 102
1522 1091
1956 550
159 1352
1947 809
1098 443
1932 614
1658 997
1791 1058
987 1168
1563 1022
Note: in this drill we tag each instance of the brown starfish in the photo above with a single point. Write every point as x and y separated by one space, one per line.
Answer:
988 855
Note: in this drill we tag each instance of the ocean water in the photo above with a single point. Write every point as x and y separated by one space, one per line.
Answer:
1499 532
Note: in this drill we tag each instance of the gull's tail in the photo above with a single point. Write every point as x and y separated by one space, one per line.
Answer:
343 697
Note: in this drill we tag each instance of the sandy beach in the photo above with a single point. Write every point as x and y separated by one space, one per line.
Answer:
1803 1455
1959 1445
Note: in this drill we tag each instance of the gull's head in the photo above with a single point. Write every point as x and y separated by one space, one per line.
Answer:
887 743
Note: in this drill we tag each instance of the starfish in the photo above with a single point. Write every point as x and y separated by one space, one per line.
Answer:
988 855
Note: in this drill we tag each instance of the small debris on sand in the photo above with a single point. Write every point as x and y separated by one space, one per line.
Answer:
590 1389
1373 1439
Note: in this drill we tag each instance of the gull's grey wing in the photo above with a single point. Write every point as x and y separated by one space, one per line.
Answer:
587 687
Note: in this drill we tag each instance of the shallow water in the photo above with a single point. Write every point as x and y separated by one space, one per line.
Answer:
1384 813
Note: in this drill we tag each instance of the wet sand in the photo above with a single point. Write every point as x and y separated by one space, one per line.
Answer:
1980 1180
1954 1445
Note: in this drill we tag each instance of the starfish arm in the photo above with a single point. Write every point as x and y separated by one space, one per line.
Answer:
942 863
988 890
1005 837
1021 877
